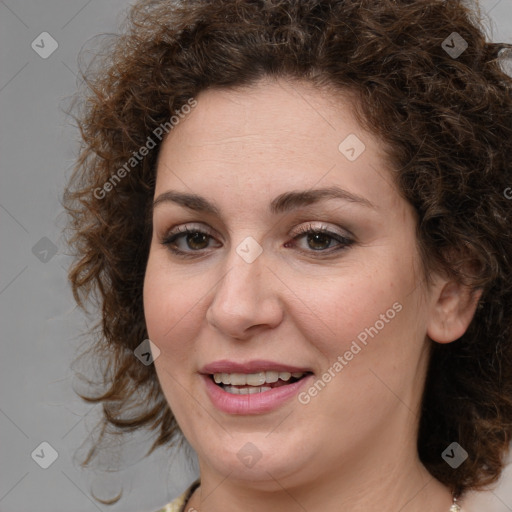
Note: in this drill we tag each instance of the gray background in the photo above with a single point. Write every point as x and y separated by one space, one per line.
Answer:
39 320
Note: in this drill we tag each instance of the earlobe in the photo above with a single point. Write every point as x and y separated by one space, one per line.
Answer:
452 311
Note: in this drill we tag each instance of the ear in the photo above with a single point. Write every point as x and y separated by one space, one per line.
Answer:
452 309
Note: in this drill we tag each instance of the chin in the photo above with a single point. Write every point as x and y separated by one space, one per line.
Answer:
257 459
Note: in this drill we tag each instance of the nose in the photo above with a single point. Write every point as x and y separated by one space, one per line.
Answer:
246 299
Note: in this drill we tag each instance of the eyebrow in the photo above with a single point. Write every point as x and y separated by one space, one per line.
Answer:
282 203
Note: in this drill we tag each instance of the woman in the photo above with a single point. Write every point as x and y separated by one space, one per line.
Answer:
303 206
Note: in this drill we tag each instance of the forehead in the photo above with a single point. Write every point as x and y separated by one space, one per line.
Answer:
275 135
274 115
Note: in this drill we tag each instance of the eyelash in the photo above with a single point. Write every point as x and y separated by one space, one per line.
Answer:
179 232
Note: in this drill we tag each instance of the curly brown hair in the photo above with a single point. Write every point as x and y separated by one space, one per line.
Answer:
447 123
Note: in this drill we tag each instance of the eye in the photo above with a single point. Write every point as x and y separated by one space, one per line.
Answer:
321 239
194 240
186 240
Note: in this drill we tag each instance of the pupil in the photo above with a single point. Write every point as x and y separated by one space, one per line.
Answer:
315 237
195 238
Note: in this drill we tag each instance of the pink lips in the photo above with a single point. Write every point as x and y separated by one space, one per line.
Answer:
257 365
257 403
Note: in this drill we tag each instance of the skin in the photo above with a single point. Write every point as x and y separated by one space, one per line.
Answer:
353 446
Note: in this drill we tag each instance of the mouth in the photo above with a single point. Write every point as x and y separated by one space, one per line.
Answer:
253 387
253 383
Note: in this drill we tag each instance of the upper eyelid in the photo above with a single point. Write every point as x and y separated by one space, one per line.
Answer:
309 226
315 208
194 226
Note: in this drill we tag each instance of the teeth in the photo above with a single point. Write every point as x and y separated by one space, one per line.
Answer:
246 391
254 379
271 377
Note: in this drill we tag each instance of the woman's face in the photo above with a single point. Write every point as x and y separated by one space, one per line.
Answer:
249 291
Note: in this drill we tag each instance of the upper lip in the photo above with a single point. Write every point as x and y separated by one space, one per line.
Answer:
254 366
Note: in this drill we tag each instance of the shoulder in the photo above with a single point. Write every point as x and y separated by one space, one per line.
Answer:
178 504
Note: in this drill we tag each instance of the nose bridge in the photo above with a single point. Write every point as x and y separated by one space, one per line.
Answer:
241 282
241 299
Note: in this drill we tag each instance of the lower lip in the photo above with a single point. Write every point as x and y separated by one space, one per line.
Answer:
256 403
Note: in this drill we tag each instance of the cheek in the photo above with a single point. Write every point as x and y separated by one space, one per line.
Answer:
155 301
363 304
367 326
165 309
342 306
167 305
